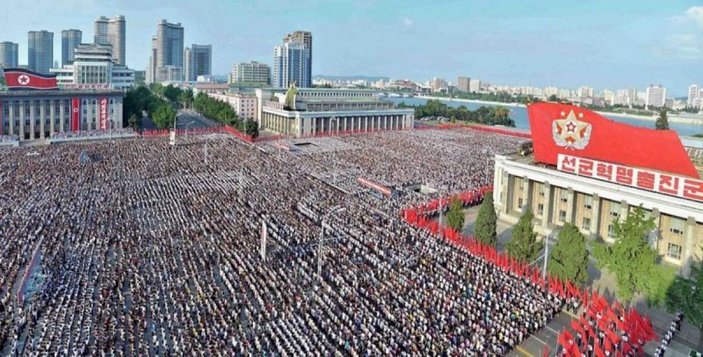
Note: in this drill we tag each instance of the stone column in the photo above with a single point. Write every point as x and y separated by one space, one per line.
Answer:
62 113
526 194
689 248
624 210
570 203
52 117
32 118
509 193
22 119
547 204
12 116
655 236
42 118
595 215
366 123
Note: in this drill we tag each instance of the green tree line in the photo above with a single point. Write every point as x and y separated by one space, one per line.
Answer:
482 115
141 99
224 113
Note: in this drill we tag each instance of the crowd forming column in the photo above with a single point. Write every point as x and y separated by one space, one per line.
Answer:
52 117
32 118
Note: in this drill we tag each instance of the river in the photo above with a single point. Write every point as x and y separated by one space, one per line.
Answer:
519 115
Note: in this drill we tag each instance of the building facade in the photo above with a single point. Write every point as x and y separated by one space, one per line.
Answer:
462 83
293 61
70 39
474 85
557 197
168 49
93 66
35 115
313 111
9 54
112 31
40 51
252 72
656 96
198 61
244 105
692 95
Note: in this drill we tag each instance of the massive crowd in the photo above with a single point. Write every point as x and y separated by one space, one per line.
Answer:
154 250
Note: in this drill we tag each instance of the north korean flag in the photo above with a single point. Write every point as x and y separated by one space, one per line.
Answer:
571 130
20 79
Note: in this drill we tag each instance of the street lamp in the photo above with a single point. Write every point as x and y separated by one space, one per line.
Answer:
192 122
333 210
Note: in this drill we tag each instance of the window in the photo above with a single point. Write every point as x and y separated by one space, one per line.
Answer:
562 215
586 224
674 251
611 231
676 227
540 209
614 210
564 196
519 202
588 202
542 190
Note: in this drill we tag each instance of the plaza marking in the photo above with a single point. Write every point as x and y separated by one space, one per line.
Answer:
524 351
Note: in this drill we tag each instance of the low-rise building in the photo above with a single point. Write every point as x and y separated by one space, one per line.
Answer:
314 111
35 108
244 105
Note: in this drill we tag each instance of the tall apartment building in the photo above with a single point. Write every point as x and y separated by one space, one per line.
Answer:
198 61
438 84
252 72
167 51
293 61
112 31
40 51
656 96
9 54
462 83
70 39
692 95
474 85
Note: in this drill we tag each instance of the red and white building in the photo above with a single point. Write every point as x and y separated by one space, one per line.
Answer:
590 171
34 107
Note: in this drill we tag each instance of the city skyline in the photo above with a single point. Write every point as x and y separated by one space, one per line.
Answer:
536 45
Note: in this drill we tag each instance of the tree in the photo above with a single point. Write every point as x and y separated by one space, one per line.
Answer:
553 98
662 122
186 98
164 116
523 244
686 295
455 216
485 226
134 122
633 261
568 259
249 127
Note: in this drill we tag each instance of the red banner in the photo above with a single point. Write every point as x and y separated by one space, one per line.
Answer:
20 79
570 130
374 186
103 113
76 114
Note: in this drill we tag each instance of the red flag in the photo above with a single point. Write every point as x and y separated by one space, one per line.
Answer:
570 130
598 351
21 79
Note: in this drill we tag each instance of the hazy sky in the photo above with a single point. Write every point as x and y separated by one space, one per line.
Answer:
603 44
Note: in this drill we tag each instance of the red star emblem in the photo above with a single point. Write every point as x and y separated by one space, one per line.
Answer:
23 79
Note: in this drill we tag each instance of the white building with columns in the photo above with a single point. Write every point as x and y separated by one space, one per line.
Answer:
39 114
314 111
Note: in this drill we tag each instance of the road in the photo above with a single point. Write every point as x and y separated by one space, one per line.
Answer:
547 336
183 118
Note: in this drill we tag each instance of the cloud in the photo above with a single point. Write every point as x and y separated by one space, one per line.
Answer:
408 21
695 13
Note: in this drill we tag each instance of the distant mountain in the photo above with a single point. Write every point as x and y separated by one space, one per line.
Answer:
350 78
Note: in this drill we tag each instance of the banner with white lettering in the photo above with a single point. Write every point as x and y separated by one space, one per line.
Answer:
673 185
103 113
